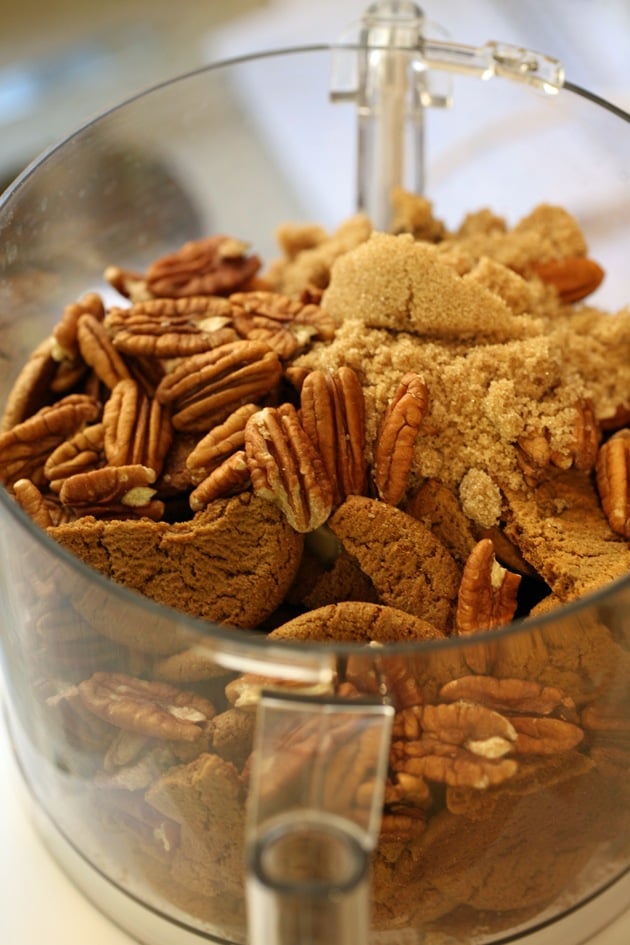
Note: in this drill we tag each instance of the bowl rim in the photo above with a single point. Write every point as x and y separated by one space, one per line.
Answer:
242 642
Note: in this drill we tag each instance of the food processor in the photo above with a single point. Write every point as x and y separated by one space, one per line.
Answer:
287 829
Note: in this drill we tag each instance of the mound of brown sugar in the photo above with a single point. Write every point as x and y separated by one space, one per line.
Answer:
549 232
499 378
409 289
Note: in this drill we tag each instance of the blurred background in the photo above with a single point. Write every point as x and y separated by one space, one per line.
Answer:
63 62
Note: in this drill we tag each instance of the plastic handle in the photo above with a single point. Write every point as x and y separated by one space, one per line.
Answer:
314 810
392 71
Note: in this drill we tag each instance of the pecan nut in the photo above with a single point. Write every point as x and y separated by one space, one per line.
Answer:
30 390
487 593
146 707
205 389
394 449
332 412
458 744
573 277
612 473
461 768
480 730
111 489
219 444
230 478
487 598
80 453
509 695
65 342
545 736
137 428
169 328
286 325
43 510
25 448
217 265
98 351
285 467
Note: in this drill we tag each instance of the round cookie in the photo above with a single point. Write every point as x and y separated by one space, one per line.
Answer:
356 622
408 565
232 563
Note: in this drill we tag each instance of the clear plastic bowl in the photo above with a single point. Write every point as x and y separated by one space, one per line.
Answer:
155 832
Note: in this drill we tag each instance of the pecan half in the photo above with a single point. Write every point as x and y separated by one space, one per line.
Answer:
204 389
613 481
488 592
30 391
487 598
217 445
332 412
156 709
130 284
286 325
217 265
110 489
573 277
285 467
482 731
394 449
44 511
99 353
137 428
65 341
545 736
81 453
25 448
169 328
509 695
230 478
460 768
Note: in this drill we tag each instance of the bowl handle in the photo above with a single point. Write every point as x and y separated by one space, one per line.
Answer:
314 810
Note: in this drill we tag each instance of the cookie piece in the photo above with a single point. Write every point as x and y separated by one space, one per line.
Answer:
408 565
437 507
524 855
232 563
345 581
207 799
562 531
356 622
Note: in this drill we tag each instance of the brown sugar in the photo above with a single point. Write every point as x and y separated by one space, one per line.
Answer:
398 283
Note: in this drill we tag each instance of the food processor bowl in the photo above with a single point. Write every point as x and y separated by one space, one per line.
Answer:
159 829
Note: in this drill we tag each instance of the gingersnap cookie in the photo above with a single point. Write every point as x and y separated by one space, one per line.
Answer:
356 622
196 663
408 565
231 563
206 798
437 506
560 528
524 855
233 735
345 581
